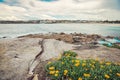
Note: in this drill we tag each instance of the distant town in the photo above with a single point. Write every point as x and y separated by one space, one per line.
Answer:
57 21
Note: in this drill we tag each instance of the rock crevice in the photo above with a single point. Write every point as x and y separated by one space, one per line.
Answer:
37 60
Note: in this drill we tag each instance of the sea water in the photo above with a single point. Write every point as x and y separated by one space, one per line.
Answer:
15 30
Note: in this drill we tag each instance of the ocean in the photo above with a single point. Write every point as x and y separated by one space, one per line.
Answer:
15 30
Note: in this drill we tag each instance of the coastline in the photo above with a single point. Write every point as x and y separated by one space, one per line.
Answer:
66 37
30 53
54 33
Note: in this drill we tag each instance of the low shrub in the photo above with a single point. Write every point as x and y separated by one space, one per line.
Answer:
68 67
69 53
113 46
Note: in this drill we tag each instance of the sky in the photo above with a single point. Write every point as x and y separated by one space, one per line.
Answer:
60 9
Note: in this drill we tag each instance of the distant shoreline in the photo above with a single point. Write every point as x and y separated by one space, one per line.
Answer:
59 21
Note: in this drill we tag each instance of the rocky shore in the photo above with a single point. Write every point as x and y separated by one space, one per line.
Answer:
69 38
23 57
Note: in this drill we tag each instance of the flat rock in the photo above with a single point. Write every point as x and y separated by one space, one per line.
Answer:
16 56
53 48
100 53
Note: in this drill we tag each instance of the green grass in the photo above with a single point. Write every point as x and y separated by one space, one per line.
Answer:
68 67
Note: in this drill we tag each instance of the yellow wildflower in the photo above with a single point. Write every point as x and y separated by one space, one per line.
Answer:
77 61
49 62
118 74
51 72
84 61
110 70
56 75
65 54
79 78
65 72
93 66
101 66
93 62
95 77
60 55
54 59
68 55
86 69
86 75
90 64
56 71
108 63
101 62
72 60
62 62
51 68
77 64
83 64
107 76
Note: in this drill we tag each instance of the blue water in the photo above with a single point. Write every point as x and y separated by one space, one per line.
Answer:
14 30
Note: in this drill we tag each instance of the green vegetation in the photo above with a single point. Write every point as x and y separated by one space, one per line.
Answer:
68 67
113 46
69 53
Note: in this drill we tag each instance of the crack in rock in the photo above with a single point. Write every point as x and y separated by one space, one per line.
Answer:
37 60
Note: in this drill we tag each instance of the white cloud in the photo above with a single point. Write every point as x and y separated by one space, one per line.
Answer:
61 9
10 18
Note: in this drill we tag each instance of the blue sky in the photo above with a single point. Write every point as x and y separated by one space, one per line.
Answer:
60 9
1 0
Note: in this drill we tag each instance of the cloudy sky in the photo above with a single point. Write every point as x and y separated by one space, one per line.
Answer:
60 9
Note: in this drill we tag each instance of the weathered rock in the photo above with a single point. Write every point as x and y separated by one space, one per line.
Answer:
53 48
16 57
61 37
101 52
19 56
69 38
